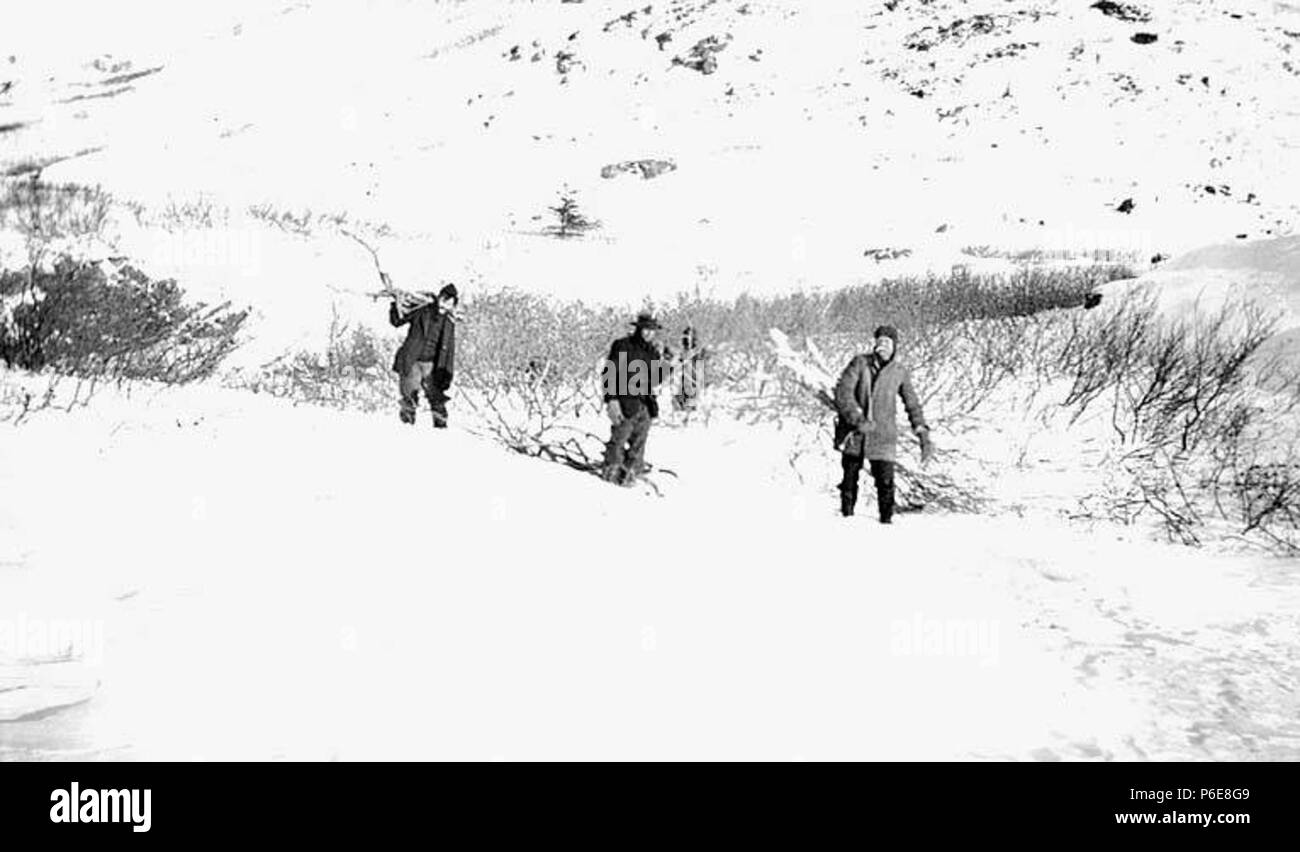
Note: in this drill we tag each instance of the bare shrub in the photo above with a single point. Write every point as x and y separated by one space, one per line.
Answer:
1254 474
924 309
531 373
352 372
1169 383
49 216
1267 501
16 401
1070 256
97 320
1198 422
192 214
1098 355
79 319
308 223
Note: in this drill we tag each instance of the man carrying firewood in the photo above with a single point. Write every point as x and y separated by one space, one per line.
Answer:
866 430
427 357
630 380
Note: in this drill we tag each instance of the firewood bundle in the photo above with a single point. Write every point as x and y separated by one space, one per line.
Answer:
405 300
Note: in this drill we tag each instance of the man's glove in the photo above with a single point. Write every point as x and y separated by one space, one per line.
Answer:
927 446
866 427
615 412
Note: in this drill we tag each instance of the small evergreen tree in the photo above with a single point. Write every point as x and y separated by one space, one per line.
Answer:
571 220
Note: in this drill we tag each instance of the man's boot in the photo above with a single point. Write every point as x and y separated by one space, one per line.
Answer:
438 406
883 474
852 466
408 406
885 501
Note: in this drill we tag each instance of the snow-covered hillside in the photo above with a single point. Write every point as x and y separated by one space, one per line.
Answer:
1206 282
821 131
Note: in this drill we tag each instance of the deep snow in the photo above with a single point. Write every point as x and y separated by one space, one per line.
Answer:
290 582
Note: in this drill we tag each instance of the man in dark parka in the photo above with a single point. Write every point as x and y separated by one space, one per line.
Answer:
631 377
426 359
867 428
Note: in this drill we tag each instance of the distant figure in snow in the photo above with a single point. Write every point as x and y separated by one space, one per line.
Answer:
866 430
535 370
630 379
688 376
427 357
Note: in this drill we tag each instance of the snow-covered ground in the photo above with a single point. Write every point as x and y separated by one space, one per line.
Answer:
207 573
269 581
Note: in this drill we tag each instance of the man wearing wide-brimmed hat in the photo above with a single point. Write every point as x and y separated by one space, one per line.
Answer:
631 377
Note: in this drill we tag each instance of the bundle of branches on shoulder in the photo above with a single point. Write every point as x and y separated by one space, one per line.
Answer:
406 300
812 380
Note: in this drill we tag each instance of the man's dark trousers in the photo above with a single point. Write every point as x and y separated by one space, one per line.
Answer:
422 376
625 452
882 472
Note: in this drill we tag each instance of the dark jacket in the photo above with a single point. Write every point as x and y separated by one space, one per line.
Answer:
431 337
632 374
860 396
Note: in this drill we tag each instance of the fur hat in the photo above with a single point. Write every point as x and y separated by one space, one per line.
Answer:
886 331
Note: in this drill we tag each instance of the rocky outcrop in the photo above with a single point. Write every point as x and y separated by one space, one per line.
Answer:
647 169
703 57
1122 11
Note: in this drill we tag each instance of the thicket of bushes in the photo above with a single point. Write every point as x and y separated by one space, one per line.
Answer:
1204 433
528 365
907 303
1202 440
352 372
47 215
98 320
78 319
1206 430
